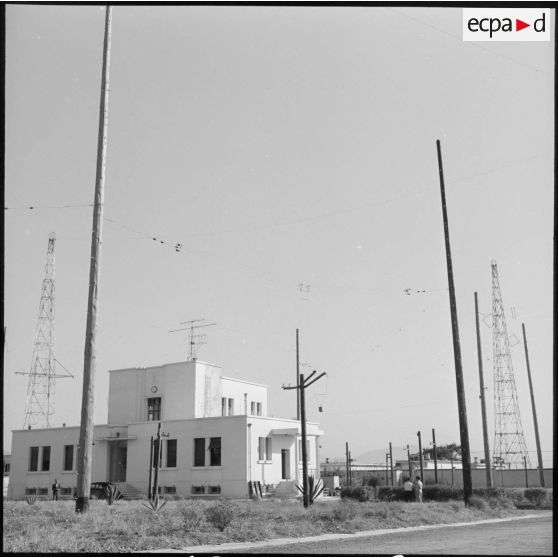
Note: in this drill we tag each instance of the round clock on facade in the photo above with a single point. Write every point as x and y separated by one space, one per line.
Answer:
153 389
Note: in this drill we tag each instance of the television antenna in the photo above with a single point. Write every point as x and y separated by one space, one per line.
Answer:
195 339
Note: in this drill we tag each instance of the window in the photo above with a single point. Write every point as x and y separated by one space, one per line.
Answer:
154 408
45 463
198 489
215 452
171 453
264 449
199 452
43 492
231 407
259 409
30 491
34 458
252 407
214 489
66 491
6 468
68 458
223 406
170 490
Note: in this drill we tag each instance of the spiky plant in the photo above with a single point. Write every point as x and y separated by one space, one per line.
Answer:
155 504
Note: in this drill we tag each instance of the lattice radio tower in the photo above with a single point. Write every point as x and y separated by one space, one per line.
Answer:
39 407
509 443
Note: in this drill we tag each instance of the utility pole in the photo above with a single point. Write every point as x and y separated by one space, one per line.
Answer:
302 385
462 407
297 378
409 460
347 463
85 450
350 469
387 469
150 467
487 463
157 455
420 456
435 457
391 463
525 467
537 439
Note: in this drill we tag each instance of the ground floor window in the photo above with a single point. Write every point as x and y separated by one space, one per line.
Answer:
30 491
43 491
170 490
198 489
65 491
214 490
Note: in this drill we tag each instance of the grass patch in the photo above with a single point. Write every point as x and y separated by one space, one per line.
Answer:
54 527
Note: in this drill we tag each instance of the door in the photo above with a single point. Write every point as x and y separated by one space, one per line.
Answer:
118 453
285 464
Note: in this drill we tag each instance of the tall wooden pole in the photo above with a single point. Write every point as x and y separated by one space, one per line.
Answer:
157 454
348 465
487 463
391 463
409 460
304 453
462 407
420 456
537 439
150 467
435 456
85 450
297 378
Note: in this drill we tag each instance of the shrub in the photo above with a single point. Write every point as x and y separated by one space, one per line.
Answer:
477 503
221 514
441 493
360 493
535 495
390 493
191 514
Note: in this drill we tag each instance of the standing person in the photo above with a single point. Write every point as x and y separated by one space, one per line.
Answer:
55 490
408 489
418 489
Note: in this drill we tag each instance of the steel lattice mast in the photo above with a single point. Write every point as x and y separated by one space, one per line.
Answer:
509 443
39 407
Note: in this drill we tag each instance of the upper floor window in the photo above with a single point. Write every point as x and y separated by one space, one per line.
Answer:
199 452
68 458
231 407
252 407
6 468
215 452
45 463
154 408
223 406
34 458
259 409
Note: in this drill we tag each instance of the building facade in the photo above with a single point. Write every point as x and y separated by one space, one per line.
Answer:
217 438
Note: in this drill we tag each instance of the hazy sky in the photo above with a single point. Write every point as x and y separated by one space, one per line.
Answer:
284 146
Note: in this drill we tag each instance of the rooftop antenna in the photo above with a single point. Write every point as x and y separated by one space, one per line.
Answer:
195 340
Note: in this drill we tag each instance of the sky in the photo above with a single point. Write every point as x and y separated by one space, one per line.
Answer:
291 152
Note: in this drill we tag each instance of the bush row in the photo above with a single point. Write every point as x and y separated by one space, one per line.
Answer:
443 493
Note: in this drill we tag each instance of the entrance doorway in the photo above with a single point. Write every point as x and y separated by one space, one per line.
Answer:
285 464
118 453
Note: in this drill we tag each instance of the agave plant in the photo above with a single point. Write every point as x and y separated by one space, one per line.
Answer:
315 488
31 499
112 493
155 504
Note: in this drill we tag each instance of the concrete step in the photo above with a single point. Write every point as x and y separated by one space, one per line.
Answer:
286 489
129 492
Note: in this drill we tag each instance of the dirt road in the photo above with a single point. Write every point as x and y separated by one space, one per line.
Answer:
525 537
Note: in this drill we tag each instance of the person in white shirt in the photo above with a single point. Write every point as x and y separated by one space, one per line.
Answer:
408 489
418 489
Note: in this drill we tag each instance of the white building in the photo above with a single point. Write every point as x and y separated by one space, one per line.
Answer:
219 438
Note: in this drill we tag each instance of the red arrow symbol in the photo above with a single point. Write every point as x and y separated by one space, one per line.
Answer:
519 25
